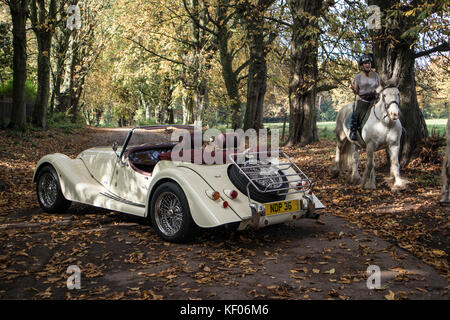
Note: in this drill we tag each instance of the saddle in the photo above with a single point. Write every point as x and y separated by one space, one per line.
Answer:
348 120
348 123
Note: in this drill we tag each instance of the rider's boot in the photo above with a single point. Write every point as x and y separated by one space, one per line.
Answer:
353 128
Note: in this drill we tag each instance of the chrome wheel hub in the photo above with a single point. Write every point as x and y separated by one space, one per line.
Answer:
48 189
168 213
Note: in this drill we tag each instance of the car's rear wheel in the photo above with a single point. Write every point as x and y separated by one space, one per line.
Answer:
49 194
170 214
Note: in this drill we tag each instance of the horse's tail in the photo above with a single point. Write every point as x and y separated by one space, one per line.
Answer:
343 160
346 159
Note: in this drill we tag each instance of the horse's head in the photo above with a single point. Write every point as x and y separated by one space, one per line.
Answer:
390 98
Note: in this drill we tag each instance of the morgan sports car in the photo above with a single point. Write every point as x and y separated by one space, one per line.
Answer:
178 189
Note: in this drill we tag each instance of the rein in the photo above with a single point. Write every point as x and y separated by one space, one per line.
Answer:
386 105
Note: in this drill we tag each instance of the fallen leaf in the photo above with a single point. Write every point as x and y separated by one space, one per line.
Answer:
331 271
390 295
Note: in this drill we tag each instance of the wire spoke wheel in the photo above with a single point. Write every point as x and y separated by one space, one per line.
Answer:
49 192
168 213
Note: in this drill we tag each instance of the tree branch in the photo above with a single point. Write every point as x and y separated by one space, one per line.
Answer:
326 87
196 21
241 67
440 48
156 54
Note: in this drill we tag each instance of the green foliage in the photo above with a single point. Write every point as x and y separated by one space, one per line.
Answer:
6 90
326 112
140 120
6 52
61 120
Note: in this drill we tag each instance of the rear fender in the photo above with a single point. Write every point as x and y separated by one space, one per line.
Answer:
205 212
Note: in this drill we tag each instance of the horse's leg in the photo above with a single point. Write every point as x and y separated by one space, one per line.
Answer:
341 150
368 180
399 183
336 166
355 178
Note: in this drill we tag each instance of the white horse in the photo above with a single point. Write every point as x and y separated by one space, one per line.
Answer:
382 130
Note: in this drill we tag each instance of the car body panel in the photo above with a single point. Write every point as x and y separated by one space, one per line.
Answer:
101 163
205 212
99 177
79 185
137 184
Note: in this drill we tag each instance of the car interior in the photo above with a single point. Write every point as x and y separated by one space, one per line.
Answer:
144 158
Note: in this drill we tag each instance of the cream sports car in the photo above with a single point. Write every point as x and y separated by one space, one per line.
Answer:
179 197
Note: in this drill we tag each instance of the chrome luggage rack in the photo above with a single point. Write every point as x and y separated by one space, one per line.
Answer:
272 164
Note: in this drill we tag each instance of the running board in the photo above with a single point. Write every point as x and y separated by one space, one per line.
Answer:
117 198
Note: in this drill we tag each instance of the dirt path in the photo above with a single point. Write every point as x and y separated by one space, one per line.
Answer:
120 257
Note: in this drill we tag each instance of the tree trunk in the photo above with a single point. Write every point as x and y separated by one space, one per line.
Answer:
253 20
61 46
43 76
230 79
256 82
395 62
221 35
70 96
43 23
202 99
304 70
394 59
19 11
199 62
445 191
188 108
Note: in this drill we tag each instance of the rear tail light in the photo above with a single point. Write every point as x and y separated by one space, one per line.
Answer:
225 204
215 195
232 194
302 185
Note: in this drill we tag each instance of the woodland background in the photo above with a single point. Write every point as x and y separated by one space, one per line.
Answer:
227 63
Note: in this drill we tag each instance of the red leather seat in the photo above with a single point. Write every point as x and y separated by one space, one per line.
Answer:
198 156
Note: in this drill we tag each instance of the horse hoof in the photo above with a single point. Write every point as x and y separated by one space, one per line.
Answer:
369 186
395 188
399 186
355 180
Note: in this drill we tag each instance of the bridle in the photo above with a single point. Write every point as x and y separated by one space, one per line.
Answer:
386 105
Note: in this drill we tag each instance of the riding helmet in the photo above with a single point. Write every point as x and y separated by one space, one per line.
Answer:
366 58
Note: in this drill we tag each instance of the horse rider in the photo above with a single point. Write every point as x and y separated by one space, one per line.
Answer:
365 84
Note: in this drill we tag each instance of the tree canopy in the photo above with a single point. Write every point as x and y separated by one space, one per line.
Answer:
229 62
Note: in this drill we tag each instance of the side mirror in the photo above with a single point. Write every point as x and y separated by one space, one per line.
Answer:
114 147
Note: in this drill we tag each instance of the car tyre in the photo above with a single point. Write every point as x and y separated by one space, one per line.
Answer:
170 214
48 190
